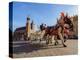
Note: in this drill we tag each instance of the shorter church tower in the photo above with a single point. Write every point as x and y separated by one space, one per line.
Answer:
32 26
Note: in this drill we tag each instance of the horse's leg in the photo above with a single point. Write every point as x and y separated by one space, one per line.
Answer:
61 36
40 40
52 37
56 41
66 37
50 40
47 37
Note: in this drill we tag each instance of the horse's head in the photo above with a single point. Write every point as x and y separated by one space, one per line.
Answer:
68 21
42 27
65 19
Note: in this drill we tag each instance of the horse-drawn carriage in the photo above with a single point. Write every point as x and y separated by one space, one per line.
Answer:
61 29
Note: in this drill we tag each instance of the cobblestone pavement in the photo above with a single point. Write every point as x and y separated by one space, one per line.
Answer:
26 49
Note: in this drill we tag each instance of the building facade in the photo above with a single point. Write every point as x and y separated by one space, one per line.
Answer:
24 31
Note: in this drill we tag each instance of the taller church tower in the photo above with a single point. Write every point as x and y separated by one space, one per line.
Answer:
28 27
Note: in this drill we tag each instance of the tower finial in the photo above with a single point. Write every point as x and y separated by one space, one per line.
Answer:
28 18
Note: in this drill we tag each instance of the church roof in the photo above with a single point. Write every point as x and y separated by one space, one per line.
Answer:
20 28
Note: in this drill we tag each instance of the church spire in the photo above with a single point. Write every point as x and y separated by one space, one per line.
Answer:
32 25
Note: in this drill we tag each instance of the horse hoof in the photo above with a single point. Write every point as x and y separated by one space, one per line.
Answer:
55 44
64 40
47 43
64 45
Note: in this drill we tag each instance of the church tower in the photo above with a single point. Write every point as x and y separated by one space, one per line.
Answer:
28 26
32 27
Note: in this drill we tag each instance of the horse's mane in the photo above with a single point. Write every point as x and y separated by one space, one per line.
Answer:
49 27
53 27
